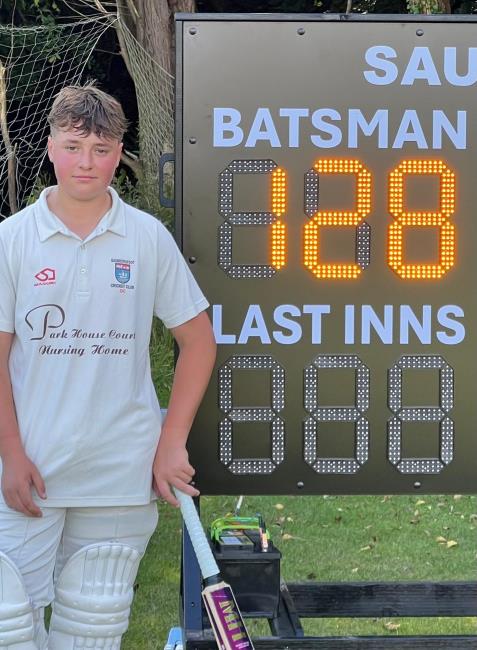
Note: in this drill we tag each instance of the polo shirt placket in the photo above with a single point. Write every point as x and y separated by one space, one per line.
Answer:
83 274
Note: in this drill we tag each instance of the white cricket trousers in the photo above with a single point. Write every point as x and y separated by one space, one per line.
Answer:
40 546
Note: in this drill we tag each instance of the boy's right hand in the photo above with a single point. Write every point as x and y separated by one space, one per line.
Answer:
19 475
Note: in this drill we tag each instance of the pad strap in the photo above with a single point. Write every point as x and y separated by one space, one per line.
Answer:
16 614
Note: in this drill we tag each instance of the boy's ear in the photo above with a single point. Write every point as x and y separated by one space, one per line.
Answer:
120 150
50 147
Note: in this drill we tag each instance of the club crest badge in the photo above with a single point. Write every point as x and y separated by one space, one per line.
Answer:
122 272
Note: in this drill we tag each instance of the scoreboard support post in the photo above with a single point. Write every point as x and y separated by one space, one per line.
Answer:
191 589
300 600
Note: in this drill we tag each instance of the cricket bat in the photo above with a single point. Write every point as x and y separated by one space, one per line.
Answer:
224 615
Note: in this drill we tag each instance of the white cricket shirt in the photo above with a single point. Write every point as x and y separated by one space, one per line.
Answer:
81 311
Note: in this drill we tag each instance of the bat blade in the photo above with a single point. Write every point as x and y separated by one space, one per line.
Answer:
227 622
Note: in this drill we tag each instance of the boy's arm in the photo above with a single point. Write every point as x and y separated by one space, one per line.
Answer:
19 474
196 343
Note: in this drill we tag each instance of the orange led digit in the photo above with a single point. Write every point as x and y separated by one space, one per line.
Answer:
279 197
338 218
423 219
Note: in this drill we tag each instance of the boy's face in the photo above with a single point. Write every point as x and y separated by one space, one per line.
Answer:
84 165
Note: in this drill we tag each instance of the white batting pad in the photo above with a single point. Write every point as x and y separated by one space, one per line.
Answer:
93 596
16 616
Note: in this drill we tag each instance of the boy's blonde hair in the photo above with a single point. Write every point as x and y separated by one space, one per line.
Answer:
89 110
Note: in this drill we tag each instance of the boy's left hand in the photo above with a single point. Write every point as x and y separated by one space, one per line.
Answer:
172 468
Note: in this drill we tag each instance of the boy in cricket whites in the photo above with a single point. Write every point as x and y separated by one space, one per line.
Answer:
83 450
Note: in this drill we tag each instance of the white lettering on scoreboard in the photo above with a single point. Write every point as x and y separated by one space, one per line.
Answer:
362 324
327 128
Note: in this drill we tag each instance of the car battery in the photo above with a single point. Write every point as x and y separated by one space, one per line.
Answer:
253 573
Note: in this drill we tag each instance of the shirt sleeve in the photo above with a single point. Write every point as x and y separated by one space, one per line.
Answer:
7 289
178 296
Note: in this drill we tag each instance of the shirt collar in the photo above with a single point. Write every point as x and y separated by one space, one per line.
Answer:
48 224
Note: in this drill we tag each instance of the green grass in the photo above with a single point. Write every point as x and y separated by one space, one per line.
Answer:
162 360
329 539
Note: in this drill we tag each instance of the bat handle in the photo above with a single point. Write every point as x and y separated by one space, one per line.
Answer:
205 558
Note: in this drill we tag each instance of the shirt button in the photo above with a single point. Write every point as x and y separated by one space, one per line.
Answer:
83 270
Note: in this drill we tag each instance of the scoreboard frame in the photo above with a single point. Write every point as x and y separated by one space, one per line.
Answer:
218 471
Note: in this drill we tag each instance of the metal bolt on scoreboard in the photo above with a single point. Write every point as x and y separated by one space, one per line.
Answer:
326 200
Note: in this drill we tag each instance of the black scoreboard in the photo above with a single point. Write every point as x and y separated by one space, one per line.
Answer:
326 200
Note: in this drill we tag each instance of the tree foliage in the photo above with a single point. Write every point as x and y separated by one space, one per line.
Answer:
23 13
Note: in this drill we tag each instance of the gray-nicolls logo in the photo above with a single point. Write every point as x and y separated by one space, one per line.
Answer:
43 318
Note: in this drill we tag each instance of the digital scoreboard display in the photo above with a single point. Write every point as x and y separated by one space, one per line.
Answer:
326 201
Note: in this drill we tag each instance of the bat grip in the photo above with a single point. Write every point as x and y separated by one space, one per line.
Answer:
208 565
